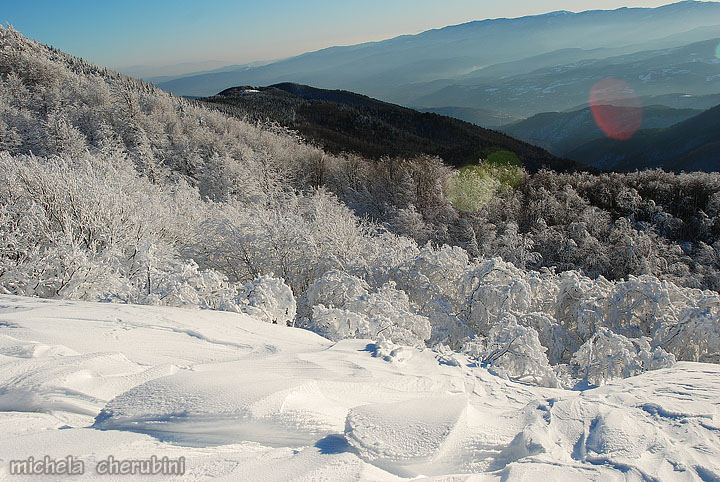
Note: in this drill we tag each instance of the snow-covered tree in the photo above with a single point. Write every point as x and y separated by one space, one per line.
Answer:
607 355
353 312
266 298
514 351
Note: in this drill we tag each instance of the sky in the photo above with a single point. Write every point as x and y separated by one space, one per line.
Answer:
158 33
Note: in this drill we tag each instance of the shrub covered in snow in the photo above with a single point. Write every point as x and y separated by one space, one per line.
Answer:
332 289
266 298
514 351
353 312
607 355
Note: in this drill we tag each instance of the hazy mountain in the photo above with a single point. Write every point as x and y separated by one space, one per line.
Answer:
224 68
345 121
674 101
399 69
574 54
691 69
561 132
690 145
171 71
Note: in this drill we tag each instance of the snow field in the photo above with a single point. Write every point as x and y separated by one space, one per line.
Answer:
243 399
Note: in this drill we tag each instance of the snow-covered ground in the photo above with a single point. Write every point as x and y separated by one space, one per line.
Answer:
242 399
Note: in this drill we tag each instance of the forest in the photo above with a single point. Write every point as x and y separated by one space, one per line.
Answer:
345 122
113 190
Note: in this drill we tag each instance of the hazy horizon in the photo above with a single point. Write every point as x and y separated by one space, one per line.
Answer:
221 32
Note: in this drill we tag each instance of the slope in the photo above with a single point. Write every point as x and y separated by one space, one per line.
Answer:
561 132
691 145
482 117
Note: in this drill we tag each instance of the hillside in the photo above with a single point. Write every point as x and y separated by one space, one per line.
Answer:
561 132
342 121
691 145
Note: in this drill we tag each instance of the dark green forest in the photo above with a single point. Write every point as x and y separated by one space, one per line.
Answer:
341 121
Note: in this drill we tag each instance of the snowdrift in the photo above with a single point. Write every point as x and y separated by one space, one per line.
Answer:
243 399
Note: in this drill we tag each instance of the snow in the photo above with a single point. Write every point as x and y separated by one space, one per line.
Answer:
243 399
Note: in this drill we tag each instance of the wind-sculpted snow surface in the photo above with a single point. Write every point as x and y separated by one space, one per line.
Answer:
410 437
243 399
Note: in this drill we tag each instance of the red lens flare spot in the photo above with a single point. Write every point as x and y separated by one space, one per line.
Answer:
616 108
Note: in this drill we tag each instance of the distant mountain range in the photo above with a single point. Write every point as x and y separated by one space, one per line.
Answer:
529 77
693 69
507 68
161 73
342 121
171 75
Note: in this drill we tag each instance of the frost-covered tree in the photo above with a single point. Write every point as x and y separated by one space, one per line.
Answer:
265 298
514 351
354 312
607 355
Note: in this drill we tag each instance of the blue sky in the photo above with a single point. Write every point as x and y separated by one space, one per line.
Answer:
163 32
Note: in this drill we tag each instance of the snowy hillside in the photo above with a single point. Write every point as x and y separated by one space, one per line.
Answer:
242 399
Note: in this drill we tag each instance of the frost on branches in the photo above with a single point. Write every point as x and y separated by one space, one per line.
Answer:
607 355
514 351
267 299
353 312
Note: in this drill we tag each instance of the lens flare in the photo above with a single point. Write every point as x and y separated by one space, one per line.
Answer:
616 108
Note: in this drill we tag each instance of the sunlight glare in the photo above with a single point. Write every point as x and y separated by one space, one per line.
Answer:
616 108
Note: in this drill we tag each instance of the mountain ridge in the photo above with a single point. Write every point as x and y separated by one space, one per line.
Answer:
385 69
562 132
343 121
